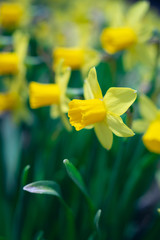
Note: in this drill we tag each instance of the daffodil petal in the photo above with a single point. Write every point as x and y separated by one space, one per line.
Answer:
104 134
87 91
140 125
93 83
117 126
64 105
137 12
118 100
147 108
62 76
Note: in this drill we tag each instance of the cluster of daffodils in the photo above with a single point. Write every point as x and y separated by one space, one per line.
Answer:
93 38
102 114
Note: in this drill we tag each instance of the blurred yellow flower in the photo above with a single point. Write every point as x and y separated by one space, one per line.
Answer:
8 101
10 14
128 30
73 57
53 94
76 58
8 63
115 39
43 94
149 125
102 113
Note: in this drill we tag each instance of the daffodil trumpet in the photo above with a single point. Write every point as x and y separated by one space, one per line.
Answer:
8 101
9 63
102 113
53 94
10 15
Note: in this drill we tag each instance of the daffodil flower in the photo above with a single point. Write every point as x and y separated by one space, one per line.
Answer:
53 94
8 101
10 15
76 58
149 124
127 31
8 63
102 113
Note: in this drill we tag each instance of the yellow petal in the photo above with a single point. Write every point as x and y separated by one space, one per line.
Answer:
147 108
118 100
64 104
137 12
93 87
117 126
87 91
104 135
62 76
140 126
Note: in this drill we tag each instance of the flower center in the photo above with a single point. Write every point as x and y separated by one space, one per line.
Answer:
151 138
117 39
43 94
8 101
11 14
8 63
73 57
86 112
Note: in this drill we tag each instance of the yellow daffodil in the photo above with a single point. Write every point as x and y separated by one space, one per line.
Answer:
73 57
9 63
8 101
127 31
10 14
76 58
102 113
53 94
149 125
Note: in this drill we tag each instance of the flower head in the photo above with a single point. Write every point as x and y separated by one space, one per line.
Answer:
115 39
8 101
43 94
73 57
149 125
53 95
8 63
102 113
125 32
76 58
10 15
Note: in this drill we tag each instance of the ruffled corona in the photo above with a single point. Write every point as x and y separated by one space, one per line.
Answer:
73 57
43 94
151 138
8 101
117 39
8 63
10 15
86 112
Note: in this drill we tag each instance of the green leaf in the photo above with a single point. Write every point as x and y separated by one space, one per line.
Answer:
97 218
43 187
75 176
77 179
25 175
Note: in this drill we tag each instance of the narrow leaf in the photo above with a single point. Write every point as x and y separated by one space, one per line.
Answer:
97 218
43 187
75 176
